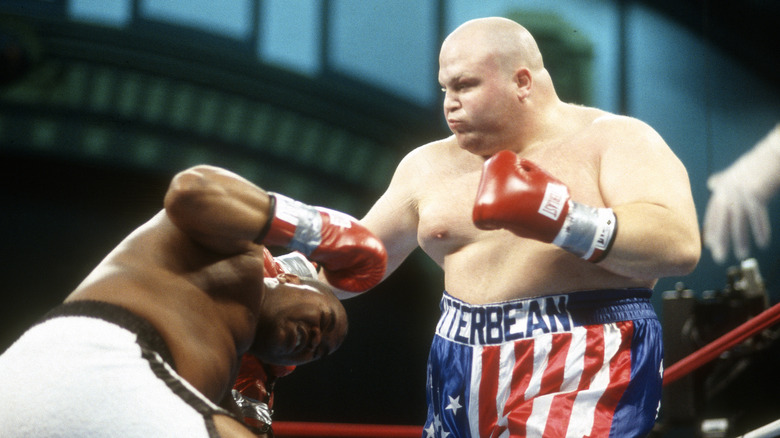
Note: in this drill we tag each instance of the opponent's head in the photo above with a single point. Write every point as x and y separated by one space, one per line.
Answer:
300 320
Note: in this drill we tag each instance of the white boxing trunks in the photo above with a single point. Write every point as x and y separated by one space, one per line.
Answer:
92 369
583 364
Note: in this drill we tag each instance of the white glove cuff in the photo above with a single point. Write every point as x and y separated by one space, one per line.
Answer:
306 220
296 263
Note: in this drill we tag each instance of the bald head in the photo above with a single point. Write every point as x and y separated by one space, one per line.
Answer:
504 40
495 85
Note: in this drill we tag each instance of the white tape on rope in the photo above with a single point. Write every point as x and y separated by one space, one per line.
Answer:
771 430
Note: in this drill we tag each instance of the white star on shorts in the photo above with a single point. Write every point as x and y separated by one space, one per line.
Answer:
454 405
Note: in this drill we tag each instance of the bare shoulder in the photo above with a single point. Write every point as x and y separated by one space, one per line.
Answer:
394 218
637 164
424 159
627 123
588 125
626 132
626 140
426 165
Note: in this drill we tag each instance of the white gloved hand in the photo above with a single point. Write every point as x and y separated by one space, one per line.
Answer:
740 195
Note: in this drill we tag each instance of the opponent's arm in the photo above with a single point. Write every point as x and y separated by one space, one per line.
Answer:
228 214
252 394
217 208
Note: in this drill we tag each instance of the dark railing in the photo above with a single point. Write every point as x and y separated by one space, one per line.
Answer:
158 98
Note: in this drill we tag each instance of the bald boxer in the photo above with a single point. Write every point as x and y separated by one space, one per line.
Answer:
148 345
550 249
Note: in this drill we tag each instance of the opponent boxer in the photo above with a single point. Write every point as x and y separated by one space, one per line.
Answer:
549 250
149 343
253 389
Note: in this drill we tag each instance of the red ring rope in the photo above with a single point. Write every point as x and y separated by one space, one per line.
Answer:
294 429
715 348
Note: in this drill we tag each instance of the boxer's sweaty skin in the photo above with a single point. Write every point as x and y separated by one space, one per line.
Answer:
498 96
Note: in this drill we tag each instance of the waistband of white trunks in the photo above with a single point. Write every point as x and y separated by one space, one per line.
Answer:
496 323
148 336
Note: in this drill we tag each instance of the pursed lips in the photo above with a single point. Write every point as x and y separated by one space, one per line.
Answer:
455 124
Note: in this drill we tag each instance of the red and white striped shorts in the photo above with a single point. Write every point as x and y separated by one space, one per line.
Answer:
583 364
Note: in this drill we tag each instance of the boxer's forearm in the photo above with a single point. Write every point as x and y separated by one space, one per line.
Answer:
653 242
217 208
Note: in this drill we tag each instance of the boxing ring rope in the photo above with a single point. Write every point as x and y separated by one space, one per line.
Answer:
680 369
768 431
712 350
296 429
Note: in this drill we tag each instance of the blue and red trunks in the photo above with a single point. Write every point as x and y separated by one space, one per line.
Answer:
579 364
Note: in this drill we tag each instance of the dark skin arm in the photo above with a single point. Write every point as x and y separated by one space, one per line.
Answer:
224 213
217 208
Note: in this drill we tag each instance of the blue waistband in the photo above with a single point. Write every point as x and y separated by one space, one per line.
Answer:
496 323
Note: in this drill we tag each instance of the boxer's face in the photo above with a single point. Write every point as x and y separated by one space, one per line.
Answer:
301 321
479 100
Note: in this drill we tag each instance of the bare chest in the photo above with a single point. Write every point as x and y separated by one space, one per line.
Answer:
446 199
444 210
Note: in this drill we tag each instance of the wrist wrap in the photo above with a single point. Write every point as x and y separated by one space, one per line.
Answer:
587 232
256 413
294 225
307 221
270 221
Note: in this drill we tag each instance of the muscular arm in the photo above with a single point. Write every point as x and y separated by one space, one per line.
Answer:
393 218
648 188
217 208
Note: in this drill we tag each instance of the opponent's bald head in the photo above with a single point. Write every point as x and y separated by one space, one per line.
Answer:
505 40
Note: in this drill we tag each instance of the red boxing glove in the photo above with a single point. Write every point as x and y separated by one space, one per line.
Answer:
270 266
253 388
253 391
256 379
517 195
353 258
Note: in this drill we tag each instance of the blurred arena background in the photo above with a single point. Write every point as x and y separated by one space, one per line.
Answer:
102 102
